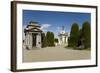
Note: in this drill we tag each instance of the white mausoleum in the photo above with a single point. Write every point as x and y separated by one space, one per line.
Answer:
63 37
32 35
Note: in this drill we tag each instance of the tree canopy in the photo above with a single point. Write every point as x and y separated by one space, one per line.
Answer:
86 34
73 39
48 39
44 41
80 37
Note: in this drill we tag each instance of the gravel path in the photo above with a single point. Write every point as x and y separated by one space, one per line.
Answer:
58 53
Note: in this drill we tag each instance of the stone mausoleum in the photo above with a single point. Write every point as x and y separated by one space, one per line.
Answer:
32 35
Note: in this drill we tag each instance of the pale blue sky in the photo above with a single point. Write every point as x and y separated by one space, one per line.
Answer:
55 20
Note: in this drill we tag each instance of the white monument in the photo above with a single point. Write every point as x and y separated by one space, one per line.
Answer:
63 37
32 35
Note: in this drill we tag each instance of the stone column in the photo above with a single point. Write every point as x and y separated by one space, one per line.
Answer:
26 41
30 39
38 42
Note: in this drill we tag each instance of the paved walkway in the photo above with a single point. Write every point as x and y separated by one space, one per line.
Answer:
58 53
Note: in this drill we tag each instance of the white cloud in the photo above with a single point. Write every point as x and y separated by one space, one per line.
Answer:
45 26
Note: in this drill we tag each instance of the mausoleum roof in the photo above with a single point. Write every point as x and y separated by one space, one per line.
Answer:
34 29
33 24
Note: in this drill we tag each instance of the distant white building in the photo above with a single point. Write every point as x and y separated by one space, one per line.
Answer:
32 35
63 37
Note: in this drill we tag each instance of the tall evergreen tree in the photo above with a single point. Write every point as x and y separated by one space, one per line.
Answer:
86 33
44 41
50 38
74 34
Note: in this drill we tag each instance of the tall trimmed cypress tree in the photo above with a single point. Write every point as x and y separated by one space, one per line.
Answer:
44 41
86 33
50 38
74 34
